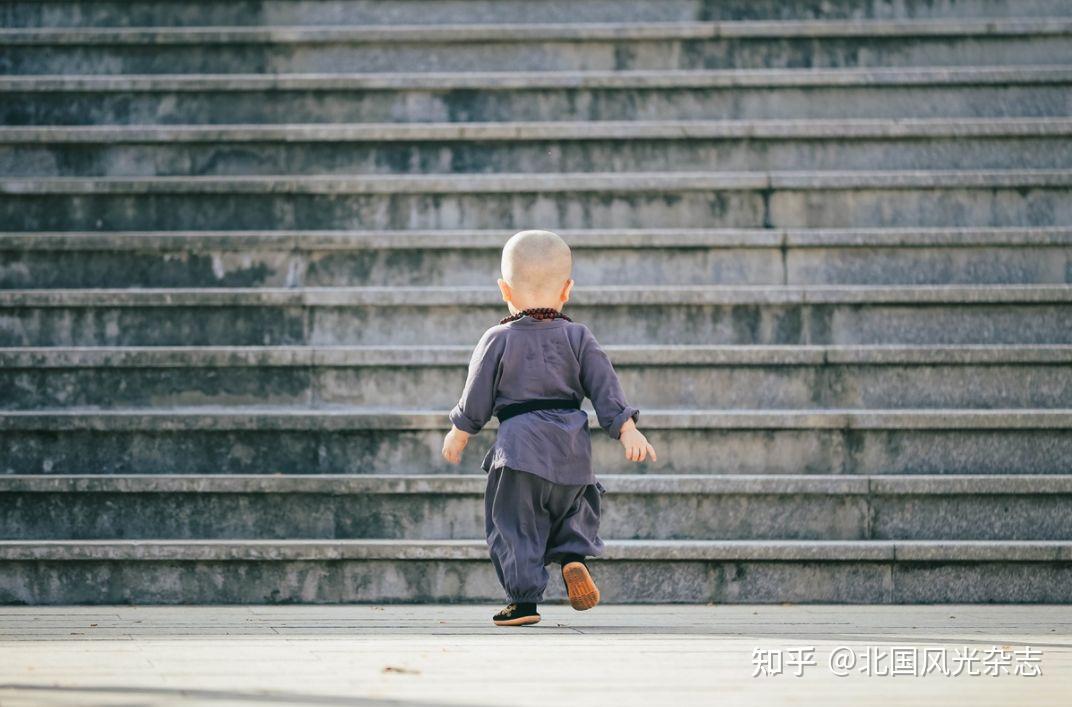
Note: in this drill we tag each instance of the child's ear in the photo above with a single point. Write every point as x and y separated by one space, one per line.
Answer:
504 288
566 289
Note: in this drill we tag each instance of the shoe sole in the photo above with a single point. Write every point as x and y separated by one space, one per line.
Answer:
520 621
582 589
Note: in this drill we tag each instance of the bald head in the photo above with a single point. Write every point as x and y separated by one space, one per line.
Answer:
536 263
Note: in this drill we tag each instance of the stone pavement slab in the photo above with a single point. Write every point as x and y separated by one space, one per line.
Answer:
452 655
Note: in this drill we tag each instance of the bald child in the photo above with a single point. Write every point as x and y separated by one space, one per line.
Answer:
531 371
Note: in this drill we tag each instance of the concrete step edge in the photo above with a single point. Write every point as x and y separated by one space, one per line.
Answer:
334 419
319 240
843 129
473 484
655 295
539 32
461 550
506 80
623 355
573 182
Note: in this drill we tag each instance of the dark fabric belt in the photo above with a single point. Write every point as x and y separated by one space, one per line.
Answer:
509 411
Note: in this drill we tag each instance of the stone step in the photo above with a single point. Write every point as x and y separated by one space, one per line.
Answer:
451 507
351 440
381 571
950 198
823 465
275 258
708 377
724 315
759 94
477 148
536 47
274 13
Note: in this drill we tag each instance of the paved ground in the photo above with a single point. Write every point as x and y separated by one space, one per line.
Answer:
444 655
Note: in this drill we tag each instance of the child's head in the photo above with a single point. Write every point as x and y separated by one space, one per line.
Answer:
536 267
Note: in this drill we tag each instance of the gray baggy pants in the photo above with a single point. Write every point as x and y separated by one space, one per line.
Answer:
531 522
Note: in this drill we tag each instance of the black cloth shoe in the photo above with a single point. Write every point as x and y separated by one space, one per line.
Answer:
517 614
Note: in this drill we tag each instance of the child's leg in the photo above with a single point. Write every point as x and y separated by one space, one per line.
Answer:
574 524
574 536
517 524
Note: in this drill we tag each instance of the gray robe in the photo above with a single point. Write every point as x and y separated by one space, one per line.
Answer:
528 359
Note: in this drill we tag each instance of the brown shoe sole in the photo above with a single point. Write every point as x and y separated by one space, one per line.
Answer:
583 592
520 621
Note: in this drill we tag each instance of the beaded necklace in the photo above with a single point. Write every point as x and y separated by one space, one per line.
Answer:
536 313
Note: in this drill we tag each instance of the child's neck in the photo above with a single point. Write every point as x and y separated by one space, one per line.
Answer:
534 303
516 307
541 313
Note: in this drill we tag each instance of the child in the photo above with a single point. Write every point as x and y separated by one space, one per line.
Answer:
532 371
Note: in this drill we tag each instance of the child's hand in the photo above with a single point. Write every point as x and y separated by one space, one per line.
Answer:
454 444
637 447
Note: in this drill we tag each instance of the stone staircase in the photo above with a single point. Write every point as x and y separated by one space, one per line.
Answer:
246 248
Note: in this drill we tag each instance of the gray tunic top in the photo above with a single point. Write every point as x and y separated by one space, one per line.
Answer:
551 358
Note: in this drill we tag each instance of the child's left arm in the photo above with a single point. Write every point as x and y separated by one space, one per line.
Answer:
637 447
615 415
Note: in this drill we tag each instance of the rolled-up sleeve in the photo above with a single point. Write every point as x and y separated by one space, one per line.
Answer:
602 386
478 396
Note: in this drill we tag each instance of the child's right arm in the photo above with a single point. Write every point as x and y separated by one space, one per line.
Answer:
474 408
454 444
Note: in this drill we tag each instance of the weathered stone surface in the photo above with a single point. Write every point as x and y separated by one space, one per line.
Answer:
687 257
848 574
520 33
830 258
747 315
840 199
521 183
969 515
344 418
702 377
109 13
548 96
451 507
307 441
982 583
201 515
667 484
376 654
552 154
692 46
448 507
847 130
